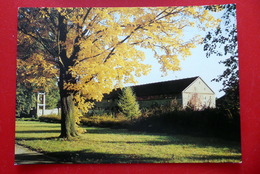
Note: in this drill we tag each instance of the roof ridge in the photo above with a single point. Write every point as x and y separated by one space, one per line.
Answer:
195 77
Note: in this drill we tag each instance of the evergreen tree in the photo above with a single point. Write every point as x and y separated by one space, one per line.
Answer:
128 104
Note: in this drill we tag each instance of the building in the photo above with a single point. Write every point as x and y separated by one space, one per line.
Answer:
187 92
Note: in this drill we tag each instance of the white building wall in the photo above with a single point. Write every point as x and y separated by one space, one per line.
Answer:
199 94
55 111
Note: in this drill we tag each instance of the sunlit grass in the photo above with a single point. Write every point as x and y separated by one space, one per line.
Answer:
104 145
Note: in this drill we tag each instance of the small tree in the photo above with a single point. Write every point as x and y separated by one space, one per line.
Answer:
128 104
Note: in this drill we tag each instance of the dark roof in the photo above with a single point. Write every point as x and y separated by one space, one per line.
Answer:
172 87
163 88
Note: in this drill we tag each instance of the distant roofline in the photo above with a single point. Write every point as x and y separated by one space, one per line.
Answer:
160 88
195 77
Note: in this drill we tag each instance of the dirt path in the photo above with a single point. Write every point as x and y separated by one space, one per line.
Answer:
26 156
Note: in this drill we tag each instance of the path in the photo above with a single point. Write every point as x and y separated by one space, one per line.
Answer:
24 155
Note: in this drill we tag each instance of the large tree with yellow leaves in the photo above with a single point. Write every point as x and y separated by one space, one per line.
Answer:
91 51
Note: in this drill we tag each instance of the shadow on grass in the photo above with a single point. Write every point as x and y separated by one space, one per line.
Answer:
45 126
215 157
37 123
162 139
39 131
96 158
33 158
153 143
98 130
165 139
38 138
86 156
198 144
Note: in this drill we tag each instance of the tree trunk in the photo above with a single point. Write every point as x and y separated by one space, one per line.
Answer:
68 125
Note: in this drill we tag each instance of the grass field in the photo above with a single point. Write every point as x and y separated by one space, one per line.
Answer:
104 145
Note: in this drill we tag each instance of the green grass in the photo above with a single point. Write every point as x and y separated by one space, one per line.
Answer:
104 145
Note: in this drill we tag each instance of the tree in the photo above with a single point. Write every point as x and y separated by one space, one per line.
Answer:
52 97
91 51
25 99
223 42
127 103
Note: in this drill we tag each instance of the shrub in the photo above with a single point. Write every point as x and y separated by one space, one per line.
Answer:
27 119
105 121
52 118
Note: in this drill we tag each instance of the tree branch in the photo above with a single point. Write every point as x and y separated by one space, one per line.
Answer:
85 17
76 47
37 39
113 48
63 59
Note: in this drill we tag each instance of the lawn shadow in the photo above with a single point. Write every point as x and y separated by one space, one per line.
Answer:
89 157
33 158
99 130
168 139
39 131
38 138
45 126
215 157
152 143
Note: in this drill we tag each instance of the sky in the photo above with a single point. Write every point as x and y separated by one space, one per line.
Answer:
195 65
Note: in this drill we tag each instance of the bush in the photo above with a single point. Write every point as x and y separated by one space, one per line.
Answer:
105 121
27 119
52 118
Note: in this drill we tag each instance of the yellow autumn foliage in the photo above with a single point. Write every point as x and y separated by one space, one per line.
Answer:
36 70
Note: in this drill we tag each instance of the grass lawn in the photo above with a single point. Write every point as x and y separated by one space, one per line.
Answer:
104 145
